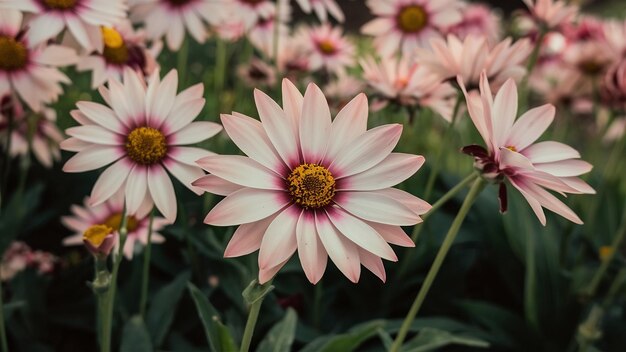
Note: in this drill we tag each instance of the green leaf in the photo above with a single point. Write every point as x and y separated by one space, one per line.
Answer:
430 339
218 335
163 307
347 342
135 337
255 291
281 336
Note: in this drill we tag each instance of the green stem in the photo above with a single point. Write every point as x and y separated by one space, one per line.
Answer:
477 187
430 184
182 60
617 241
3 333
220 71
107 319
253 316
532 62
145 276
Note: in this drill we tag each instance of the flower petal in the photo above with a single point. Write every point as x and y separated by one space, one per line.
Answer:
242 171
394 169
162 192
93 157
279 241
376 207
349 123
195 132
110 181
216 185
246 205
247 238
313 256
530 126
277 127
343 252
314 125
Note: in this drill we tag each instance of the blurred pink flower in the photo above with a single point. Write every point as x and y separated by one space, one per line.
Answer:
478 19
322 8
341 90
20 256
172 18
293 59
109 214
551 13
262 34
473 55
257 73
123 47
310 184
531 168
615 35
30 71
403 25
251 11
45 135
613 86
142 133
327 48
82 18
406 83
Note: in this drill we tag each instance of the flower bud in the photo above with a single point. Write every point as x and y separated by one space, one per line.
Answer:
99 240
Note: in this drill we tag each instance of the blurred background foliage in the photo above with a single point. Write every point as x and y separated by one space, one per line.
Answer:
508 283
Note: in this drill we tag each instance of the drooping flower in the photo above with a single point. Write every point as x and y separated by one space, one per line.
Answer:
327 48
40 128
257 73
405 83
551 13
310 184
468 58
403 25
173 18
82 18
512 154
106 218
322 8
142 132
123 47
30 71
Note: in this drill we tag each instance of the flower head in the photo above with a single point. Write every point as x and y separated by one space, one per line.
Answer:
310 184
403 25
142 131
478 19
322 8
327 48
82 18
512 154
30 71
123 47
257 73
97 226
551 13
406 83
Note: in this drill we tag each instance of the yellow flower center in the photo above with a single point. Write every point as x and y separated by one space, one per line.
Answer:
60 4
115 50
114 221
96 234
412 19
605 252
327 47
146 145
311 186
13 54
512 148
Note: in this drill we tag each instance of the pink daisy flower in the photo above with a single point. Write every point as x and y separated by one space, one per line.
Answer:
82 18
123 47
478 19
30 71
403 25
172 18
293 58
406 83
109 214
45 136
262 34
341 90
327 48
310 184
142 133
551 13
322 8
468 58
19 256
257 73
251 11
512 154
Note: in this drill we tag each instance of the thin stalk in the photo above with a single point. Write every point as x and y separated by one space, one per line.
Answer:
107 320
6 161
253 316
182 60
3 333
430 184
145 276
276 35
477 187
617 241
220 71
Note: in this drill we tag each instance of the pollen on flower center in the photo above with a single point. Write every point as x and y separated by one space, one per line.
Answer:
60 4
115 50
146 145
114 221
311 186
96 234
512 148
13 54
412 19
327 47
